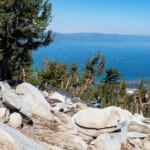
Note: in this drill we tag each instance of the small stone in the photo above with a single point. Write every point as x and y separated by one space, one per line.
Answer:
81 106
57 120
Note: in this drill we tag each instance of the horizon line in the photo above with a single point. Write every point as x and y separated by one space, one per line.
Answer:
102 33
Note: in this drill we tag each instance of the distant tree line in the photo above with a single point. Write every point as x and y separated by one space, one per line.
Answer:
92 82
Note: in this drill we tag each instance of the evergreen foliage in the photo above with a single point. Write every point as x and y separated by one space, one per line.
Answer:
71 79
144 98
94 68
22 30
53 74
112 87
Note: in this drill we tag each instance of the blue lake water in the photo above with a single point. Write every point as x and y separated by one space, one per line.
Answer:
132 59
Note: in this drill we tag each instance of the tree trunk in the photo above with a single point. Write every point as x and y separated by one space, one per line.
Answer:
138 103
68 81
77 88
62 84
6 73
84 87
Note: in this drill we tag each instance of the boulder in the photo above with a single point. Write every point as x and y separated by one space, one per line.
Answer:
11 100
15 102
31 91
12 139
107 141
4 86
97 118
57 96
15 120
102 118
110 141
38 108
34 97
93 122
4 115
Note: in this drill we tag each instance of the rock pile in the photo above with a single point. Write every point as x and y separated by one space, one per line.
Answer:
101 127
110 128
60 123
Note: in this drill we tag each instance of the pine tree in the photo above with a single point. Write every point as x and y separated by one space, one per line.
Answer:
22 29
72 79
142 100
94 68
54 74
112 87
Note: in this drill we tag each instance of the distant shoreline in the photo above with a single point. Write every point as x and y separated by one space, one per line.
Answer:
136 83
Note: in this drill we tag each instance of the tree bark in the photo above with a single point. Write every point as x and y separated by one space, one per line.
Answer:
68 81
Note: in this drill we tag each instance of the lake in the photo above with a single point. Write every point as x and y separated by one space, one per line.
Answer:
132 59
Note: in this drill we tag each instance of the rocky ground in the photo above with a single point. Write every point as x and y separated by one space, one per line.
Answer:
35 120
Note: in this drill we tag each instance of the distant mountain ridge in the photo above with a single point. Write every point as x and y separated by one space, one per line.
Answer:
96 37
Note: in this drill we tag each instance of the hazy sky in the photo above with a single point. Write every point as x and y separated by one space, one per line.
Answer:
103 16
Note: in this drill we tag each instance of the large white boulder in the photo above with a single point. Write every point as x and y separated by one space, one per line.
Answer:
35 98
32 91
12 139
15 120
57 96
4 115
97 118
101 118
13 101
93 121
